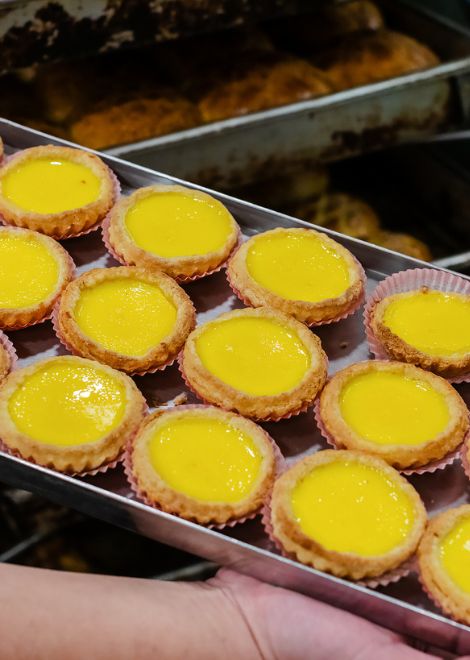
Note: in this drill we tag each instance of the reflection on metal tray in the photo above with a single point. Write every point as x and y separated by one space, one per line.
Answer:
403 607
240 150
33 31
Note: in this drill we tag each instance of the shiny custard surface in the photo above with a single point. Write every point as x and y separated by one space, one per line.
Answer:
298 266
435 323
29 271
392 409
67 404
173 224
128 316
254 355
348 506
454 554
50 185
205 458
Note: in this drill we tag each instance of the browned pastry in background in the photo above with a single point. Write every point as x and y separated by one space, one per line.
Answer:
261 81
283 192
366 58
343 213
312 32
134 120
64 88
403 243
354 217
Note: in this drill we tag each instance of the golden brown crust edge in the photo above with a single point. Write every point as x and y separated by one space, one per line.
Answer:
155 489
399 456
434 579
308 551
180 267
14 318
161 354
398 349
78 458
307 312
215 391
67 223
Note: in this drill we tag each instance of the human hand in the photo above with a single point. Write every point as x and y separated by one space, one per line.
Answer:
285 625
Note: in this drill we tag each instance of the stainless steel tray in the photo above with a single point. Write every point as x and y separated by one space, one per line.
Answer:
402 607
240 150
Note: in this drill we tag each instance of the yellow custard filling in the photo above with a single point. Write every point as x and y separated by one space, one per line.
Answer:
389 408
254 355
433 322
205 458
29 271
298 266
173 224
128 316
455 554
348 506
50 185
66 404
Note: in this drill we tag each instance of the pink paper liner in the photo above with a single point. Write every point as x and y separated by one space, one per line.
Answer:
180 279
436 602
97 225
86 473
464 455
271 418
410 280
142 496
55 324
372 583
440 464
10 349
49 316
350 310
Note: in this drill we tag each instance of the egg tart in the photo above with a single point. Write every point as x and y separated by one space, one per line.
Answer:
126 317
34 269
69 413
258 362
183 232
300 272
58 191
426 327
444 562
405 415
202 463
347 513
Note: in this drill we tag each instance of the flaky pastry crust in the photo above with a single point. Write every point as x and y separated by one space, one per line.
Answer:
399 456
181 268
12 318
5 359
153 488
67 223
398 349
71 333
78 458
273 407
453 600
308 551
311 313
